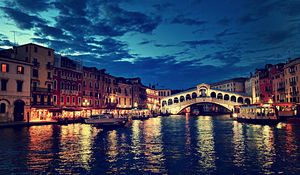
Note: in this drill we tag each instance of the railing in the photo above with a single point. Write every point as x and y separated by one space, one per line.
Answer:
39 89
294 93
280 89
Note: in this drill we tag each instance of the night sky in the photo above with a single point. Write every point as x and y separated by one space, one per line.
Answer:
176 44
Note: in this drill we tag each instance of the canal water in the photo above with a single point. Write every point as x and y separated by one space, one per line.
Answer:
162 145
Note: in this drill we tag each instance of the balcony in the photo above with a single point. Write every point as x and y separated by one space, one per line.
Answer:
43 90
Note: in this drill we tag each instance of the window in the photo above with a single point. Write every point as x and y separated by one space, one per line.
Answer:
35 49
54 84
34 99
20 70
49 53
19 86
79 87
26 48
54 98
49 75
4 84
49 100
79 100
91 94
35 73
49 87
4 67
68 99
61 99
73 100
42 100
2 108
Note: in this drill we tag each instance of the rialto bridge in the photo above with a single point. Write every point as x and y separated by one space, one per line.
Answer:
176 103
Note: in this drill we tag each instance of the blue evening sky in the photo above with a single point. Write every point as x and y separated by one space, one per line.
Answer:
175 44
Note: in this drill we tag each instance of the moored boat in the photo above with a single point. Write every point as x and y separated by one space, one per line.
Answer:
105 120
263 114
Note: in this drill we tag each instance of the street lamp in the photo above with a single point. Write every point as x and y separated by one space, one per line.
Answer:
135 105
85 103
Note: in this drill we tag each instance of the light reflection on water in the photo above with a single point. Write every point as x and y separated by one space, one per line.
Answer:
163 145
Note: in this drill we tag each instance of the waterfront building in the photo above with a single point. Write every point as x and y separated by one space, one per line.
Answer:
42 60
67 84
278 83
124 94
14 90
152 100
231 85
292 84
139 95
250 89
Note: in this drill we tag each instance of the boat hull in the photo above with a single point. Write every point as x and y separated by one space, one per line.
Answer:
259 121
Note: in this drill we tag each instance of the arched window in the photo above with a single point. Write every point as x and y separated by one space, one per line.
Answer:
164 103
213 95
220 96
181 98
187 97
240 100
247 101
176 100
233 98
194 95
170 102
226 97
54 84
2 108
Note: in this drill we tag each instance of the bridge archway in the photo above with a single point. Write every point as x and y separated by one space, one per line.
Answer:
181 99
233 98
188 97
176 100
226 97
247 101
219 96
204 108
240 100
213 95
170 102
194 95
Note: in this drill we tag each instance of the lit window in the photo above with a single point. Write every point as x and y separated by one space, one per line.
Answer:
20 70
4 67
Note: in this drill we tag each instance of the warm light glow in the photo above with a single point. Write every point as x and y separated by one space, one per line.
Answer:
234 115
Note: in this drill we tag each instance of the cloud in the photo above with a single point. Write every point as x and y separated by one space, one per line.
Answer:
22 20
180 19
33 5
226 32
195 43
248 18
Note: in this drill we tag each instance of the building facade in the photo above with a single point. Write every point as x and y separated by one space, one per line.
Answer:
42 60
292 84
67 83
14 90
231 85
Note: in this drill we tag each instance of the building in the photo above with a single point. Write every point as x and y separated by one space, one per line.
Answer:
278 83
292 84
15 90
67 83
231 85
124 94
42 60
152 100
139 95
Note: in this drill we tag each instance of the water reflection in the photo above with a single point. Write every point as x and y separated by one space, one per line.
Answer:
171 145
238 141
153 146
206 144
